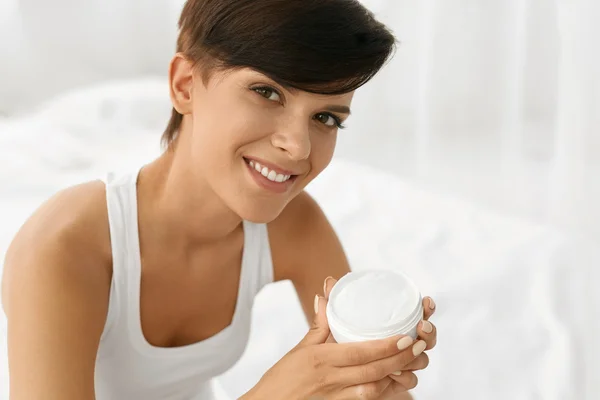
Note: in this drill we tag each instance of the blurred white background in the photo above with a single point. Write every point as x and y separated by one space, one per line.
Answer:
495 101
490 110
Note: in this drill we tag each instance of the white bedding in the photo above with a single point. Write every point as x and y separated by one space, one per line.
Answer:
517 302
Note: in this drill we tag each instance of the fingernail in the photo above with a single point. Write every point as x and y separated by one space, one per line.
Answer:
316 304
404 343
397 373
431 304
419 347
427 327
325 284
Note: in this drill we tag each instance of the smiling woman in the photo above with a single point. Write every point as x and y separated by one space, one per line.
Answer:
140 286
298 61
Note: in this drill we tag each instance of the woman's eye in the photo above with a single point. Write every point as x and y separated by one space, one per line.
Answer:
268 93
328 120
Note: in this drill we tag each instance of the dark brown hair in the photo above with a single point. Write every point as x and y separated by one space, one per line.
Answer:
317 46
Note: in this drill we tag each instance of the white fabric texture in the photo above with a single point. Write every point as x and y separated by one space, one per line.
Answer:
517 301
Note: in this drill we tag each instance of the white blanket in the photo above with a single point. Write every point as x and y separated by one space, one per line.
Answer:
517 303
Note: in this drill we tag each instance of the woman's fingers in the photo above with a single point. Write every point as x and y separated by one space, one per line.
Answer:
377 370
428 332
319 330
428 308
421 362
330 339
328 285
403 382
364 352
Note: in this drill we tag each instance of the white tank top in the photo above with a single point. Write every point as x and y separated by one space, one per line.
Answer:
127 366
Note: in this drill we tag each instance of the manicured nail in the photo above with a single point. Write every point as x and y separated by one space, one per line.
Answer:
397 373
419 347
427 327
431 304
325 285
404 343
316 304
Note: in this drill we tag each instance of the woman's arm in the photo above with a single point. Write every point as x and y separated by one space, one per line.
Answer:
55 296
306 250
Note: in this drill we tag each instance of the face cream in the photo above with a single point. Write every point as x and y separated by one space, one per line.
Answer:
374 304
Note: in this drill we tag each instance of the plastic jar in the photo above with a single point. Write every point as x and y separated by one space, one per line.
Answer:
375 304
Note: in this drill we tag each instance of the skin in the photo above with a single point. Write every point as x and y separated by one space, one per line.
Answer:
58 268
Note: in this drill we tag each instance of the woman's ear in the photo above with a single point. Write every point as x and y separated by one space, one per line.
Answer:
181 83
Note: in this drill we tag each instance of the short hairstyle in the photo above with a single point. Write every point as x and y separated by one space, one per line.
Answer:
318 46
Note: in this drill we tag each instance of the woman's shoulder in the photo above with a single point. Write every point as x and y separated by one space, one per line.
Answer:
302 239
73 218
67 236
300 216
56 286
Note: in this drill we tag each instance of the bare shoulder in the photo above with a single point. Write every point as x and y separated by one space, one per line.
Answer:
55 291
299 217
66 238
305 247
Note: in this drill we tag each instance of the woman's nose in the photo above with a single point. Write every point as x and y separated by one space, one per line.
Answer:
294 140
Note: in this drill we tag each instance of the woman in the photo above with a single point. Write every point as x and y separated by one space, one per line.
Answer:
141 286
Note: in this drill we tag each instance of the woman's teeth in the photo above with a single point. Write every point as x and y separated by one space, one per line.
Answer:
267 173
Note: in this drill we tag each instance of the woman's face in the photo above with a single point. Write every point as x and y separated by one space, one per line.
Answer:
258 144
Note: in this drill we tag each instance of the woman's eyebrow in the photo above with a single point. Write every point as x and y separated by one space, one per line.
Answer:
331 107
338 108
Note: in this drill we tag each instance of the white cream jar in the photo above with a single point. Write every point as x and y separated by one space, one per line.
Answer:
376 304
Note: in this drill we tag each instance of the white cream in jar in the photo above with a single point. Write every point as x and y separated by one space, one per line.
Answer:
375 304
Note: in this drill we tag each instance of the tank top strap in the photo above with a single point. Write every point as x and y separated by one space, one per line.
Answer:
121 200
122 211
260 273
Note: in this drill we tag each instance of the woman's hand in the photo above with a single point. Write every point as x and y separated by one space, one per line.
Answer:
315 369
400 383
407 379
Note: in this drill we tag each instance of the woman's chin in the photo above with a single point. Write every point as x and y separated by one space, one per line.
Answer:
260 218
259 214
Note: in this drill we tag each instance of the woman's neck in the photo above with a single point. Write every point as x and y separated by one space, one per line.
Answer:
178 209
